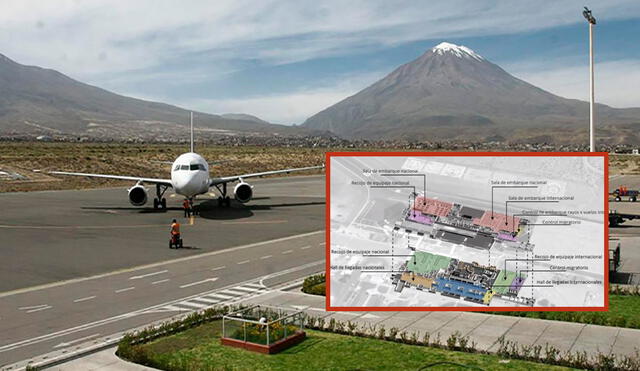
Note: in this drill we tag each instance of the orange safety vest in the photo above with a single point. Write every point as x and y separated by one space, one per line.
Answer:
175 228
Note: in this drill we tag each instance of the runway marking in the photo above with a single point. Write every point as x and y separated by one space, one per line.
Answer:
192 305
287 271
161 281
322 243
305 247
39 309
6 226
191 220
148 275
125 289
206 300
157 264
287 252
84 299
222 297
230 292
243 262
33 307
85 326
67 343
199 282
218 268
248 289
260 287
267 257
259 222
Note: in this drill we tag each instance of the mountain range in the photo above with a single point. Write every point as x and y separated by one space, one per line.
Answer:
451 92
43 101
448 93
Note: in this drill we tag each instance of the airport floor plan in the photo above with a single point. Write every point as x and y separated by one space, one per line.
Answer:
467 231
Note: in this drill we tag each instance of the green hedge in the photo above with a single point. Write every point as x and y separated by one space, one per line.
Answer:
128 346
315 285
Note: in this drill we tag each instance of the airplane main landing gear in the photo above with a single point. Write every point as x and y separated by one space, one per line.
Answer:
160 202
223 200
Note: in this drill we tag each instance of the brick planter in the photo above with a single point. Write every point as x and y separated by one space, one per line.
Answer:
276 347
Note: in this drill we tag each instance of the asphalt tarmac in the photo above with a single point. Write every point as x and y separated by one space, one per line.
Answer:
62 235
629 228
102 267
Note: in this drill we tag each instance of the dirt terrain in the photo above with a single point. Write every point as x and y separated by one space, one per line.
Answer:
19 159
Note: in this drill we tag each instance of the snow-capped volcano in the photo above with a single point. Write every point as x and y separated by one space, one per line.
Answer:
452 92
458 50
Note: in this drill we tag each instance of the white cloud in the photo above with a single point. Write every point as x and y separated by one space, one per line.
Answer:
113 43
616 82
88 38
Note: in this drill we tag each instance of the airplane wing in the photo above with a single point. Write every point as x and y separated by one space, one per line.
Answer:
228 179
166 182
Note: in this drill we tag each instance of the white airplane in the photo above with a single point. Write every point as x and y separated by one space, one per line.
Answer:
189 177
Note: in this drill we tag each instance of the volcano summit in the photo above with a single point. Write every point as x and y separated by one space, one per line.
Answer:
451 92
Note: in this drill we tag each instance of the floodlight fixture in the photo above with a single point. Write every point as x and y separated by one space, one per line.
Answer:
588 16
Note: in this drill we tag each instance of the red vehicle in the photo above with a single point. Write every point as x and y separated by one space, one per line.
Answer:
625 192
175 241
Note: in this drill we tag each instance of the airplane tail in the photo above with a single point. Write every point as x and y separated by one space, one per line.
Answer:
191 132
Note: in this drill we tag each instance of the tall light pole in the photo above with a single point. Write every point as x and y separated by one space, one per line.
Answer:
592 21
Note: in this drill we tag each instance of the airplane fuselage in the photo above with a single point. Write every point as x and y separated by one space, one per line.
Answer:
190 175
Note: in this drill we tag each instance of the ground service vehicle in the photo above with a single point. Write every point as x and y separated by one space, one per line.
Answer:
621 192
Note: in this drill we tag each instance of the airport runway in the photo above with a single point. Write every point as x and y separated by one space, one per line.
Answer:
241 252
62 235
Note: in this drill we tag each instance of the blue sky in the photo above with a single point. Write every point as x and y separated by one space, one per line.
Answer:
286 60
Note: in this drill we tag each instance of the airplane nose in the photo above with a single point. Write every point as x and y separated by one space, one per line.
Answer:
185 184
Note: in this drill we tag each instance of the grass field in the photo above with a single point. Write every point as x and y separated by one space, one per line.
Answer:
199 349
146 160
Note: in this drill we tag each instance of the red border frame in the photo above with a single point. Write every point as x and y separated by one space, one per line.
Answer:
328 156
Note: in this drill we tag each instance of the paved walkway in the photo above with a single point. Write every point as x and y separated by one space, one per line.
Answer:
105 360
483 329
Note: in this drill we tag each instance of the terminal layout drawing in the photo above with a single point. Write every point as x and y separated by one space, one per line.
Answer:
467 231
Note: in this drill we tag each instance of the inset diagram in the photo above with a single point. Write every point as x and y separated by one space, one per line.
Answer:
467 231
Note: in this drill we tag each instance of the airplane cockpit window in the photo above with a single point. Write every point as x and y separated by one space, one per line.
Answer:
177 167
184 167
197 167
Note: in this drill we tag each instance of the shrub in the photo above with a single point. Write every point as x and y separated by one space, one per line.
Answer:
315 285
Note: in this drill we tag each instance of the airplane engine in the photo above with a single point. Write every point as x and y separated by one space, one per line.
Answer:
243 192
137 195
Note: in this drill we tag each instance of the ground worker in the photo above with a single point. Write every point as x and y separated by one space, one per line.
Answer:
186 205
175 229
